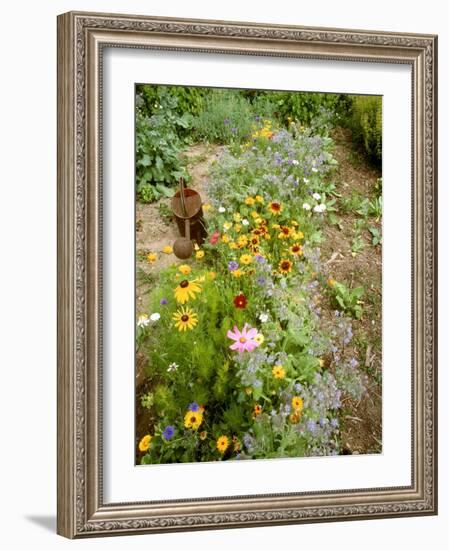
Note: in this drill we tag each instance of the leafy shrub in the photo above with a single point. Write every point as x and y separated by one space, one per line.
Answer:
366 125
158 146
226 117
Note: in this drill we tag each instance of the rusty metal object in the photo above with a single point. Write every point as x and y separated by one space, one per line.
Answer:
187 207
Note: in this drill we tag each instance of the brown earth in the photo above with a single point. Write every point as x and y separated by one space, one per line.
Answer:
362 421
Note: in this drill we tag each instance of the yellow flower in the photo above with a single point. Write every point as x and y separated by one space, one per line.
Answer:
296 250
211 275
167 249
297 403
259 338
225 238
294 223
285 266
199 254
258 221
222 443
278 371
185 269
246 259
145 443
237 217
254 214
321 361
227 225
295 417
237 228
285 232
331 282
297 235
275 207
151 257
249 201
248 391
237 445
233 246
185 318
242 241
203 435
207 207
186 290
193 420
237 273
259 198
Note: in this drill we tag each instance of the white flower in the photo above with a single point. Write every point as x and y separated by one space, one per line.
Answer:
172 367
306 206
314 169
142 320
295 162
319 208
221 209
305 180
245 221
155 317
316 196
263 317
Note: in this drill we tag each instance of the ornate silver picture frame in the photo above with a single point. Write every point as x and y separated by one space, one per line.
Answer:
82 39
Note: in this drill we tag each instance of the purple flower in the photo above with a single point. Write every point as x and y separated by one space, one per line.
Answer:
261 281
260 259
168 433
233 266
312 427
334 423
226 121
164 302
234 130
194 407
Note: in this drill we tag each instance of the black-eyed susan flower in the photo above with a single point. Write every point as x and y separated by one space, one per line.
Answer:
185 318
222 443
199 254
186 290
275 207
285 266
145 443
167 249
278 372
242 241
296 249
193 420
285 232
297 403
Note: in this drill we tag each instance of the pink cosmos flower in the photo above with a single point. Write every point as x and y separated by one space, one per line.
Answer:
214 237
244 341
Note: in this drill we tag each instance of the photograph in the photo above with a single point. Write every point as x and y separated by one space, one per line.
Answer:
258 275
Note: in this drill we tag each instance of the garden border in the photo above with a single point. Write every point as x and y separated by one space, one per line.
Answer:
81 39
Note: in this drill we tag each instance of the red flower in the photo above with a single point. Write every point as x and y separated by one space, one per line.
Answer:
240 301
214 237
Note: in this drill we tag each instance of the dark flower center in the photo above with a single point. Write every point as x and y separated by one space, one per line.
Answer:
184 283
285 265
184 318
275 206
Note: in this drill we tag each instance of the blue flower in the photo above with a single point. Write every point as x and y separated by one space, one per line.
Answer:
194 407
164 302
312 427
233 266
260 259
168 433
261 281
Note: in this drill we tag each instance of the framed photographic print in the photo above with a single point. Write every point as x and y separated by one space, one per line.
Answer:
247 274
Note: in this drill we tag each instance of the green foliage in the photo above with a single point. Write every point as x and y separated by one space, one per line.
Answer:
318 111
346 299
226 117
158 147
366 125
